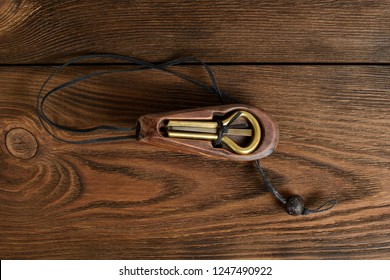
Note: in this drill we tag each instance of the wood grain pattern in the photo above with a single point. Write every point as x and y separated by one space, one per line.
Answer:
133 201
46 31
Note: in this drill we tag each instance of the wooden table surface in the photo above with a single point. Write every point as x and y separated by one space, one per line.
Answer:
320 68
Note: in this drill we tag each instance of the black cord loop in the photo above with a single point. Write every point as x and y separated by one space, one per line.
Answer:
293 205
46 122
324 207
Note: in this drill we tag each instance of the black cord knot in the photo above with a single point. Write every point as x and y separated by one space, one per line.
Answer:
224 129
294 204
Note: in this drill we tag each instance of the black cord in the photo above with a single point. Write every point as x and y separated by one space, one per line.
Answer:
142 66
294 204
224 129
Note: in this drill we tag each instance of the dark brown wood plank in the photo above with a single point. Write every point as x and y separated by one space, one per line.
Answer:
128 200
46 31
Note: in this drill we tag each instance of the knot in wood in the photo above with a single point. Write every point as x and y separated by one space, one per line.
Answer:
21 143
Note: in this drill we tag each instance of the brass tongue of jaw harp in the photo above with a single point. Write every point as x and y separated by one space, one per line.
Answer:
208 130
183 126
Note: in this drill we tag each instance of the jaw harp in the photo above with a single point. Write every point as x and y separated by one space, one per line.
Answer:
236 132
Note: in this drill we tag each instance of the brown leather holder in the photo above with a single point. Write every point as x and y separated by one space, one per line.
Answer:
150 127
